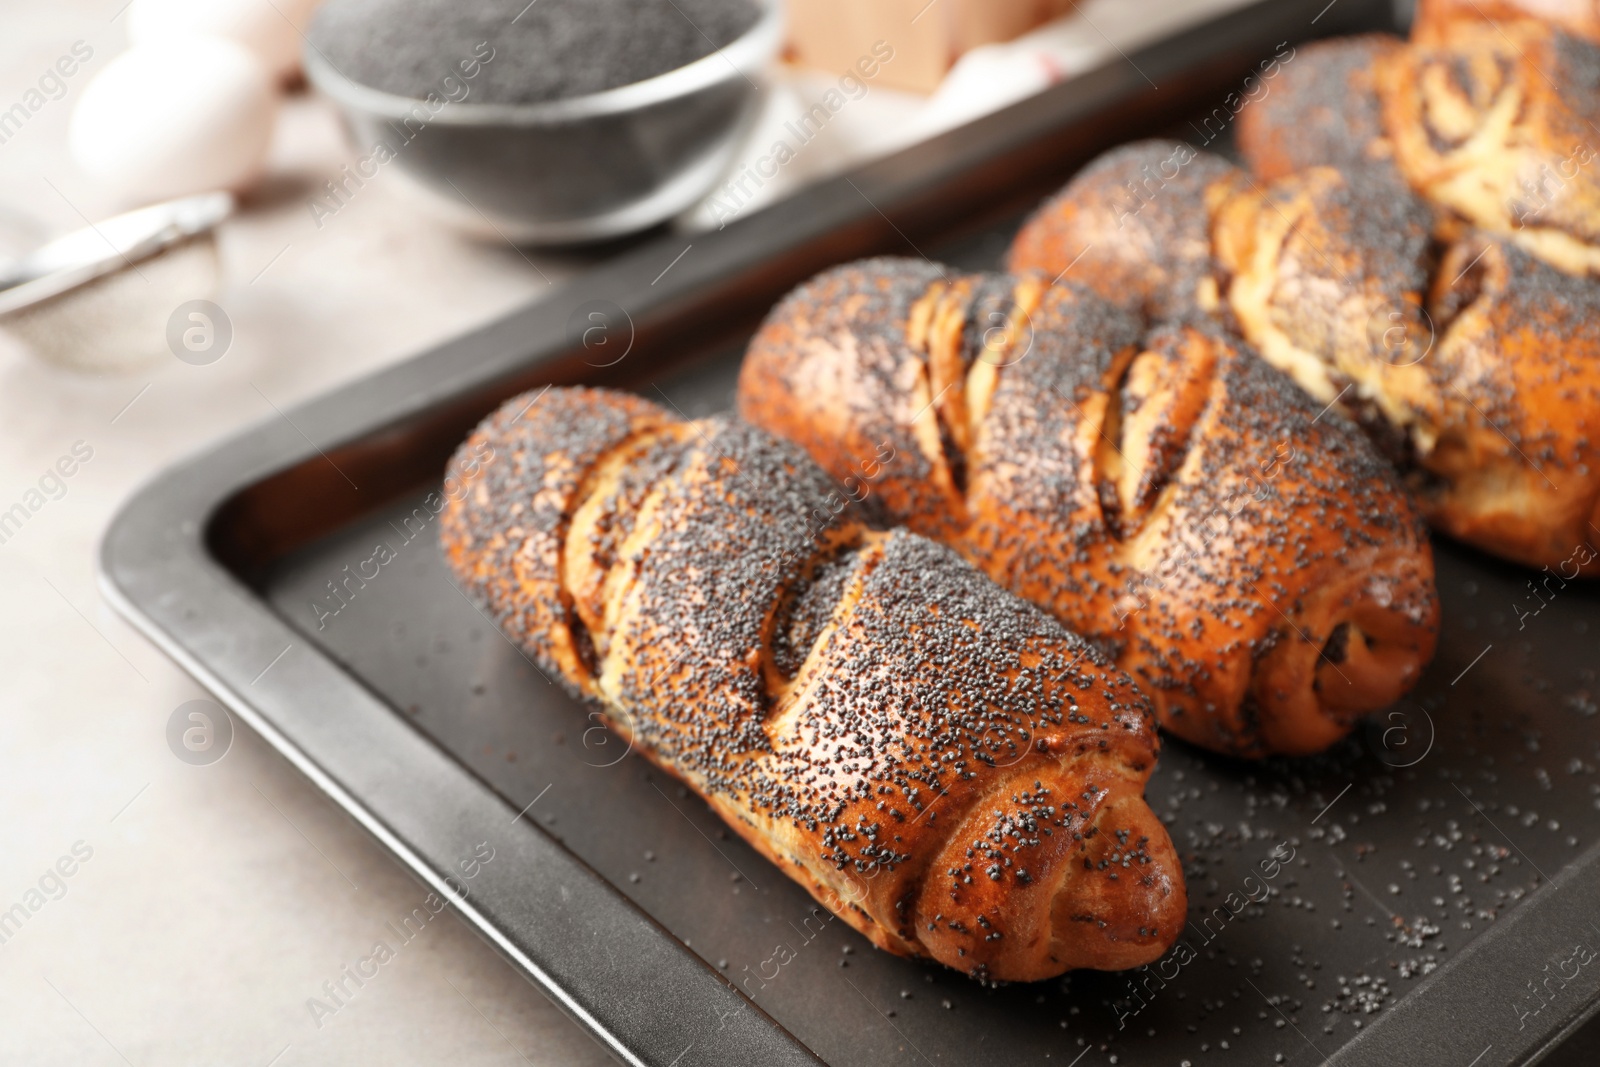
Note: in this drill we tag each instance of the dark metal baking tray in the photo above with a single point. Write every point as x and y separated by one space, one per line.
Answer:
1442 899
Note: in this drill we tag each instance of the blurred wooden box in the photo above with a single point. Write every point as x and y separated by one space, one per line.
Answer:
926 38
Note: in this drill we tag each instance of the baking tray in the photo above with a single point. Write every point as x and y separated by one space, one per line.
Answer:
1427 892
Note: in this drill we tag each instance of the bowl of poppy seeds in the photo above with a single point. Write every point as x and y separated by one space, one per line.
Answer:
551 122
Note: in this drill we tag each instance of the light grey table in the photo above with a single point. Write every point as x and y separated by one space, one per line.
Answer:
216 900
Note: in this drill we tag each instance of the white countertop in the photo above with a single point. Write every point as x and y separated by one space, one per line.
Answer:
216 899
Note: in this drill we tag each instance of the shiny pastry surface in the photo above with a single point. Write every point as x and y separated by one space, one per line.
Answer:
1248 557
1477 367
1496 125
1472 364
1113 231
940 763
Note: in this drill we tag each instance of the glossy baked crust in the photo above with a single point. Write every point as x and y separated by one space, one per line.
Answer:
1249 558
1479 368
1516 468
1322 108
1326 274
1497 123
1476 377
940 763
1132 228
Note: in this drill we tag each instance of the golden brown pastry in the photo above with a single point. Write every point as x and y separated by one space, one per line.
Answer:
1165 266
1250 560
1581 18
1481 371
1478 372
1113 232
1326 273
1322 108
1516 469
1496 123
940 763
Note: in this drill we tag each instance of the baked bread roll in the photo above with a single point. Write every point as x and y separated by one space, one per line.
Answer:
1493 122
1476 370
1326 273
1156 260
1482 373
1432 18
1321 109
1496 122
1251 561
1139 253
1516 467
940 763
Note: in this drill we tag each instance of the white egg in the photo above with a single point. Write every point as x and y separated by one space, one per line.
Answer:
177 117
269 28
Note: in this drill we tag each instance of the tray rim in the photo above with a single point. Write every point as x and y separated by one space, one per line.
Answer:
157 544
